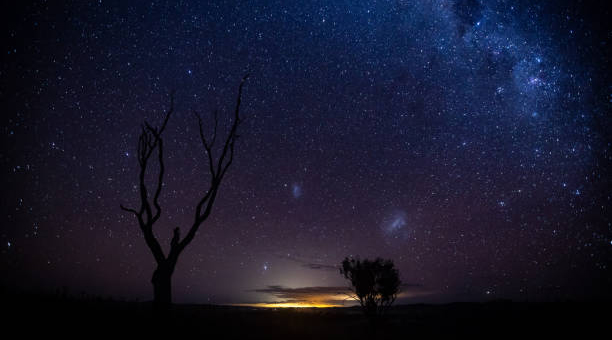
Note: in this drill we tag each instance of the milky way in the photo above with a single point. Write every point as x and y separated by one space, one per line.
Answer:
468 141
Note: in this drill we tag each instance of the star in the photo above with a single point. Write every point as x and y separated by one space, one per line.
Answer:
465 140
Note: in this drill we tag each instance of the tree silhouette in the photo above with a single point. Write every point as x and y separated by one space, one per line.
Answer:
150 148
375 284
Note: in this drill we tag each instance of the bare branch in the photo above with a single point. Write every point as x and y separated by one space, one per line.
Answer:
168 113
207 146
214 137
232 135
176 237
145 207
217 169
149 140
160 179
128 209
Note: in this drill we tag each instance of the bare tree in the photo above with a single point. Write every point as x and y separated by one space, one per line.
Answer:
150 149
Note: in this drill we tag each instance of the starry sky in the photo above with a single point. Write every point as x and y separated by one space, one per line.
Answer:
468 141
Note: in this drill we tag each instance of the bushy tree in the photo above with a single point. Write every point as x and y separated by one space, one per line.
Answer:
375 284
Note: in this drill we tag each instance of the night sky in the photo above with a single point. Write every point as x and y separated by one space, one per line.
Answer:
468 141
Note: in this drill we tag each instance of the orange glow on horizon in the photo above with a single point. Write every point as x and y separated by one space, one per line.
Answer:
287 305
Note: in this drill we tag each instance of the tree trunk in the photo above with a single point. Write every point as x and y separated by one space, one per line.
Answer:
162 285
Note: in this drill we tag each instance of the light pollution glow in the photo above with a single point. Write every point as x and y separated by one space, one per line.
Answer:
304 298
314 298
288 305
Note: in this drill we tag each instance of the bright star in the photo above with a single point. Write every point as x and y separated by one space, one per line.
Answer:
535 81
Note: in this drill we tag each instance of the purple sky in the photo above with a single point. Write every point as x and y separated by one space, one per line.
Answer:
467 141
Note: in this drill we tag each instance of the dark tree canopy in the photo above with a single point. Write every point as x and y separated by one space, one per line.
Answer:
375 284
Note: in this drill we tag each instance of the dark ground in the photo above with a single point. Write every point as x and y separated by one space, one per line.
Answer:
87 317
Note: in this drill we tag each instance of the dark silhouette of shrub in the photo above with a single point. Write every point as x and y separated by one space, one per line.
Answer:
375 284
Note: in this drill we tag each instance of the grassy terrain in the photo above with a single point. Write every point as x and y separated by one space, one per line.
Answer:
32 316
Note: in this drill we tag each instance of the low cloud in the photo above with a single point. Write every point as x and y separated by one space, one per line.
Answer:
319 266
308 263
318 296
